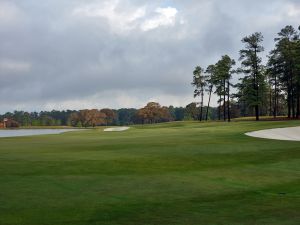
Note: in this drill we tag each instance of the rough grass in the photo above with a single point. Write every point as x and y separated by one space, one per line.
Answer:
175 173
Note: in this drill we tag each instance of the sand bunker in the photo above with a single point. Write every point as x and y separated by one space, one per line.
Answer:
286 134
116 129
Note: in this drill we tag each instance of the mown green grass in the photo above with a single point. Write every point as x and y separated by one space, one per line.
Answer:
178 173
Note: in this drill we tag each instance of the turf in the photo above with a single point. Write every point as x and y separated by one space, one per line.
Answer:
178 173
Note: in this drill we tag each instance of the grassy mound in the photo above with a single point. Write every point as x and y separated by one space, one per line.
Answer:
176 173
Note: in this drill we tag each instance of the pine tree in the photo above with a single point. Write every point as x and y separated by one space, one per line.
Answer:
252 68
224 73
199 82
211 81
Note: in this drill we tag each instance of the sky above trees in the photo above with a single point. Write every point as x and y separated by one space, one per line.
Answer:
78 54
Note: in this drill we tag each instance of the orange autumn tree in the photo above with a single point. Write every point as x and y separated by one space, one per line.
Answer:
88 118
111 116
153 113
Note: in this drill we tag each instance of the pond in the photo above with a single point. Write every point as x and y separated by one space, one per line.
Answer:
32 132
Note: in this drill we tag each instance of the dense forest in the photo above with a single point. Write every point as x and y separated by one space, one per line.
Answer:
272 89
262 90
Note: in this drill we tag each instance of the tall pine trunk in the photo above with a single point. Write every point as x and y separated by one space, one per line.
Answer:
224 100
289 99
256 73
271 102
220 101
256 106
256 113
275 98
210 90
298 100
292 95
298 106
201 105
228 101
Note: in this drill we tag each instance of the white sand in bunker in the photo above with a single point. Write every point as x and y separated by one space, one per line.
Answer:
116 129
286 134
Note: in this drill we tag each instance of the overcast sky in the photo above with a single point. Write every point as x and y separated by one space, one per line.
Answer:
75 54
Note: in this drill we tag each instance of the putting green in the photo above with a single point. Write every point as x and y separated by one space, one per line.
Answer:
185 173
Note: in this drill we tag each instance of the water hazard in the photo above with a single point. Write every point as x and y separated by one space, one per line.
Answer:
32 132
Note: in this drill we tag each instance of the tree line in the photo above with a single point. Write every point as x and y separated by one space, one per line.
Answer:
271 89
151 113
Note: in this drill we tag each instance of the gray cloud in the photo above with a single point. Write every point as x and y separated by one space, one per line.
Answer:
93 54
